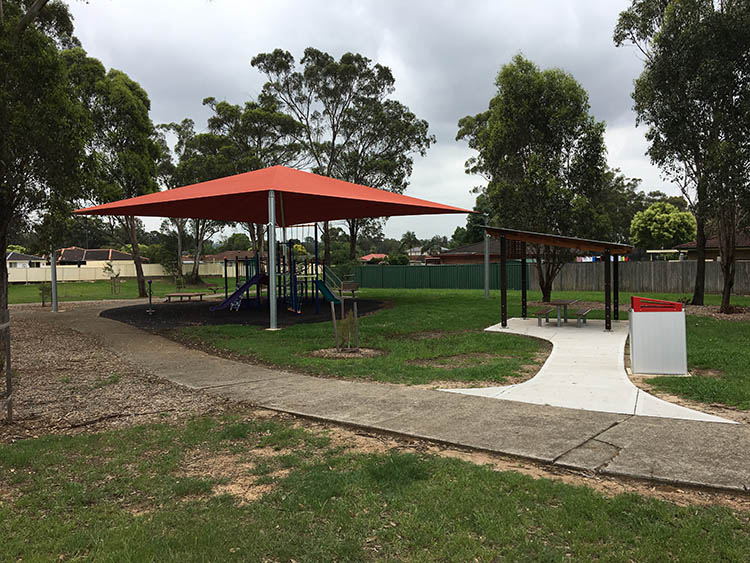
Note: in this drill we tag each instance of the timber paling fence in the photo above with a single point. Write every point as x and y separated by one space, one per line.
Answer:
444 276
672 276
646 277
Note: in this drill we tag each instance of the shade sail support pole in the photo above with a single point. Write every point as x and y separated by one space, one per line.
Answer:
503 282
272 304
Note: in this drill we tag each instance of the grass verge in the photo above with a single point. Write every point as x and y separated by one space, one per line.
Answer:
185 493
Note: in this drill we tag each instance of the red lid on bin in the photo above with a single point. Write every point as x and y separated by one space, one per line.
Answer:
645 304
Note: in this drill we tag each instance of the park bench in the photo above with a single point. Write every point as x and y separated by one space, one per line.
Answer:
544 312
581 315
212 287
184 295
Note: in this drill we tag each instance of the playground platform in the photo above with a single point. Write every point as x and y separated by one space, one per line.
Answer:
676 451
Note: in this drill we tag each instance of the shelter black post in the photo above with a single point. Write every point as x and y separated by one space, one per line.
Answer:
317 297
226 279
273 325
524 283
486 266
616 287
607 290
503 282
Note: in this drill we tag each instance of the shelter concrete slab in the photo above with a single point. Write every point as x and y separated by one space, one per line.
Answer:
585 370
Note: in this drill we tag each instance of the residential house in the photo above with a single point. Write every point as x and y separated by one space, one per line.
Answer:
19 260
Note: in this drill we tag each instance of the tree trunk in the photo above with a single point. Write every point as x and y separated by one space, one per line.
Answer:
5 379
195 272
727 240
700 270
326 244
180 235
545 283
353 233
133 234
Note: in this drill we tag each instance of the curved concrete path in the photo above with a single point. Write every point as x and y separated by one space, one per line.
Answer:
681 452
585 370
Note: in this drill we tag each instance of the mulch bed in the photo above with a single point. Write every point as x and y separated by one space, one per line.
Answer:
168 316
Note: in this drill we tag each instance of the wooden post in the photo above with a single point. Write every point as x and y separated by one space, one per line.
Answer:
503 283
333 318
8 396
607 291
616 286
356 327
524 281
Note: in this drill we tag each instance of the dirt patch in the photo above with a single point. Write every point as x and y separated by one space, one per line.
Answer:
712 311
347 353
235 472
67 383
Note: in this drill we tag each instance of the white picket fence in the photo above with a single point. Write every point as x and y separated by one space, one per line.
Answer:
92 273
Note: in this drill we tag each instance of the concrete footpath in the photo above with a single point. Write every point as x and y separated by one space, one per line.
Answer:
681 452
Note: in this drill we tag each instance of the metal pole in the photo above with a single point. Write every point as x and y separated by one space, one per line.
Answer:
607 291
503 283
616 285
272 260
524 281
150 309
317 297
226 280
486 266
53 279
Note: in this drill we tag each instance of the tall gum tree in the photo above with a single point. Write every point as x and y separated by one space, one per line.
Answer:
543 157
350 129
694 97
42 129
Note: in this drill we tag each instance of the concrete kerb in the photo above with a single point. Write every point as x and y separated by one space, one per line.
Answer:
637 447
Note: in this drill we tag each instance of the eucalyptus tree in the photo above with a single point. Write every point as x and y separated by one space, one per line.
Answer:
694 97
42 127
123 149
351 130
543 157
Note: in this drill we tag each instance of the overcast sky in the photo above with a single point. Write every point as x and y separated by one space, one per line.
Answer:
444 56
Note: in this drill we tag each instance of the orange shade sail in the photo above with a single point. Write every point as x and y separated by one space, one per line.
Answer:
301 197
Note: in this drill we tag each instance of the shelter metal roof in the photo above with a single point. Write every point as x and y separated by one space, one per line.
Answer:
558 240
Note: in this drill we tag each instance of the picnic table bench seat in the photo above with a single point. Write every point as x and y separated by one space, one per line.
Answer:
581 315
184 295
543 312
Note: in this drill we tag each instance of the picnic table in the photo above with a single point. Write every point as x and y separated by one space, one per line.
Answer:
184 295
562 305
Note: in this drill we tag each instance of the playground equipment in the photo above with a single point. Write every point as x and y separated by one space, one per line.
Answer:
299 277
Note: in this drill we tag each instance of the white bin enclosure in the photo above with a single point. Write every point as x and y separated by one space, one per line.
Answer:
657 337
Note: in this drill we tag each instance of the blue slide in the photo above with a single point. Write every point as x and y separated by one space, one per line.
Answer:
327 295
237 295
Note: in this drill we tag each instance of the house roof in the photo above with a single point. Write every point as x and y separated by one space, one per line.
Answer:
18 257
743 241
369 257
476 248
228 254
76 254
301 197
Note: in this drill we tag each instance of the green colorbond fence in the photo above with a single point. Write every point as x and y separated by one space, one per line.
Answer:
444 276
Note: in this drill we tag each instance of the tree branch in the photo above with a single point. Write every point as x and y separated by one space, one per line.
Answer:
30 15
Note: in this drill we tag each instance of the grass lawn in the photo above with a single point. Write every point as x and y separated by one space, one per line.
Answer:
159 493
436 335
100 290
